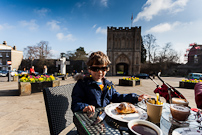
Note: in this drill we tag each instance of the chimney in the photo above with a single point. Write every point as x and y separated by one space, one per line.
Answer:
14 48
4 43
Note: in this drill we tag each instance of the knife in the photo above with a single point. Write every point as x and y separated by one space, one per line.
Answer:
100 117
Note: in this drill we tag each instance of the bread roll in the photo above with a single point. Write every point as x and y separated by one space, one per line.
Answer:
125 107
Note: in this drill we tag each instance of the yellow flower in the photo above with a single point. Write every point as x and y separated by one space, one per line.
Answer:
40 79
52 77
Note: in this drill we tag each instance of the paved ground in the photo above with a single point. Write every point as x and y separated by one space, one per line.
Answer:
23 115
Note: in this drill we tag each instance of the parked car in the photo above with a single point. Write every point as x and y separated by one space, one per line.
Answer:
0 73
142 75
14 73
4 73
194 76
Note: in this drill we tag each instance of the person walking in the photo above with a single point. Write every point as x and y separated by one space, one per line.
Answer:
45 70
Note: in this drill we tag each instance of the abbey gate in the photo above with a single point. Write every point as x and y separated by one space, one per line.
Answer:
124 50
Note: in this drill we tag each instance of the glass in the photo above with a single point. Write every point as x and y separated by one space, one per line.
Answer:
167 124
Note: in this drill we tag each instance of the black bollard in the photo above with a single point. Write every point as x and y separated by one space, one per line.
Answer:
9 76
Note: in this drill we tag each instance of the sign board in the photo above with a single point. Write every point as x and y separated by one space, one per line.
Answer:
9 62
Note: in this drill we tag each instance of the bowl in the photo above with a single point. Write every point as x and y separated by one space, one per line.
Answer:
139 127
179 112
180 101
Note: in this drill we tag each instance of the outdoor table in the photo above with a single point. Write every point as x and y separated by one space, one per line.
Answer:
111 126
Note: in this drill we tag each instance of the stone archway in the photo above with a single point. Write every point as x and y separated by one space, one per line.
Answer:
122 65
122 69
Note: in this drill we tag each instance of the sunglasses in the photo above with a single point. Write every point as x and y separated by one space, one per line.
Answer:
96 69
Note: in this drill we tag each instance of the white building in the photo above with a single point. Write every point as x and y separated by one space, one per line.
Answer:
8 53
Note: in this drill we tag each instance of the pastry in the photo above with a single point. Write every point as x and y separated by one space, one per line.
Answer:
125 107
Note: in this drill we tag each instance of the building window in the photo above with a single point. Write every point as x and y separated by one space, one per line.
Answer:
0 54
0 61
195 59
7 55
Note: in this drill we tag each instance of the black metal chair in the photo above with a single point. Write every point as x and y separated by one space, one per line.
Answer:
58 107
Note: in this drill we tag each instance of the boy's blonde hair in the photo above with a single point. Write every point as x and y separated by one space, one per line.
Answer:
98 58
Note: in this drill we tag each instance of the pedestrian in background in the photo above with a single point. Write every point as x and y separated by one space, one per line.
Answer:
45 70
32 71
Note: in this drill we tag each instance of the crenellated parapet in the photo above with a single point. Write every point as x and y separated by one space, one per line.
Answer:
123 28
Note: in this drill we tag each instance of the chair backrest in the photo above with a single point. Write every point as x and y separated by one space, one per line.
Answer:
58 107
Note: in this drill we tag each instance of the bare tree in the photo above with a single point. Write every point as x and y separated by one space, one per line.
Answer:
39 51
44 50
149 42
167 54
31 52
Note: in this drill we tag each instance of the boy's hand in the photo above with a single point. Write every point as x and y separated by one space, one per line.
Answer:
143 96
89 108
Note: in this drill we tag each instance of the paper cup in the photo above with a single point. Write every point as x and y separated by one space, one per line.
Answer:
154 112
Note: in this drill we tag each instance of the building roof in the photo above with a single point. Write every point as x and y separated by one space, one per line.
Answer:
5 47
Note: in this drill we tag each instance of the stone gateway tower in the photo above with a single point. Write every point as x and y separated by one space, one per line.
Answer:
124 50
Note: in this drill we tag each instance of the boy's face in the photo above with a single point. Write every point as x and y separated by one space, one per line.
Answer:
98 72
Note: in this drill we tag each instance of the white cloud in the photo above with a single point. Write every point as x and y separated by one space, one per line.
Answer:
31 25
68 37
163 27
42 12
5 26
102 31
154 7
79 4
94 26
104 2
54 25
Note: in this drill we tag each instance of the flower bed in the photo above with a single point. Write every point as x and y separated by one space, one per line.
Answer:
189 83
129 81
37 83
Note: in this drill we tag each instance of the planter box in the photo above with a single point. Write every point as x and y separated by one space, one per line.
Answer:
54 83
181 84
15 78
123 82
189 85
24 88
39 86
36 87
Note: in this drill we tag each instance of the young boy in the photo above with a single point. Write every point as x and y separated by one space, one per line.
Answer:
96 91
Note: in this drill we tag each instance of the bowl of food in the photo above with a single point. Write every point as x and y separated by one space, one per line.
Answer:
179 112
180 101
140 127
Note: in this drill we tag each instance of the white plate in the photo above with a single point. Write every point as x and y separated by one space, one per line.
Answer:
111 112
186 131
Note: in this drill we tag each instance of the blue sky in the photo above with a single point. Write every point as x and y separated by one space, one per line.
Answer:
69 24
